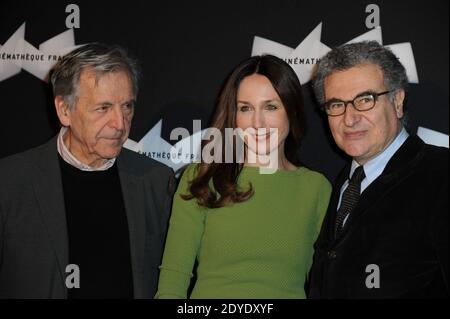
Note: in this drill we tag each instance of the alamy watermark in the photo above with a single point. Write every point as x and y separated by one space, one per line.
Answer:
73 277
373 279
232 145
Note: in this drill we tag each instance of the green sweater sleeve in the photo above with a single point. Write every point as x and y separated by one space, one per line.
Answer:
322 202
183 241
323 197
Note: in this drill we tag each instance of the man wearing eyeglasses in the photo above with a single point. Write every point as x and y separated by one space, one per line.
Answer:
385 234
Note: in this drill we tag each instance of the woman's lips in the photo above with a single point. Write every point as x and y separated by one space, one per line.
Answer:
262 137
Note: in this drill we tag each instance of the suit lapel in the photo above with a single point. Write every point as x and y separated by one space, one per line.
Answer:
398 168
370 196
334 201
48 188
134 197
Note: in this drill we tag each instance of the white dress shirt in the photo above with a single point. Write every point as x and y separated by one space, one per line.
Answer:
376 165
69 158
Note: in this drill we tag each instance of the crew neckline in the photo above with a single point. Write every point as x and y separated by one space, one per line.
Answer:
279 172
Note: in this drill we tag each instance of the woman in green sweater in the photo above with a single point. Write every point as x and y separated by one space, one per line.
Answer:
251 231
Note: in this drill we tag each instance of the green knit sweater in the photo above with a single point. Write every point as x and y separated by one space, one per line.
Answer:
261 248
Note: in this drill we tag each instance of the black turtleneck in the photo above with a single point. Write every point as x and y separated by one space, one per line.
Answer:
98 232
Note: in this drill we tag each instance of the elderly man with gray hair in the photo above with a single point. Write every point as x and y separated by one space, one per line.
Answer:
386 232
80 217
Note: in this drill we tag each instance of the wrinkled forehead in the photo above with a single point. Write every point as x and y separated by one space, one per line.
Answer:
111 87
92 74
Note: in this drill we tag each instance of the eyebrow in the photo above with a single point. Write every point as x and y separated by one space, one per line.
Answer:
265 102
131 101
357 95
107 103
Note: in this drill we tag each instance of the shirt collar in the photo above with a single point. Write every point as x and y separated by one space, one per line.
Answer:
69 158
376 165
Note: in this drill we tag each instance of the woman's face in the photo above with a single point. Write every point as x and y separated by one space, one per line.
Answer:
262 116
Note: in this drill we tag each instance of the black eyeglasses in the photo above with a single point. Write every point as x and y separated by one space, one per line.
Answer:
363 102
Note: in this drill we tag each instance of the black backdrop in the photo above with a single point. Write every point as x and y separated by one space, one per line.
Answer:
187 48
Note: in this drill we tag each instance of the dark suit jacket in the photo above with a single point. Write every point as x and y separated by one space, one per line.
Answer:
400 224
33 230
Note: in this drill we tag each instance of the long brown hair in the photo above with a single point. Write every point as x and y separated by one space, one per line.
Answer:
223 175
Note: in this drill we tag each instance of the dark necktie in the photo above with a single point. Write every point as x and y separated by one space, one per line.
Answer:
349 198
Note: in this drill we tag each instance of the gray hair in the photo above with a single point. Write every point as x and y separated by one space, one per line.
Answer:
347 56
101 58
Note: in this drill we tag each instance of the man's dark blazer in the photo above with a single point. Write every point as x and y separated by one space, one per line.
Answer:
33 230
400 224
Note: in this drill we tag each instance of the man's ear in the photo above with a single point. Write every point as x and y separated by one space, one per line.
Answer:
62 110
399 100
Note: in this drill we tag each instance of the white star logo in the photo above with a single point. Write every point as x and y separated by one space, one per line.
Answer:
311 49
432 137
183 152
16 54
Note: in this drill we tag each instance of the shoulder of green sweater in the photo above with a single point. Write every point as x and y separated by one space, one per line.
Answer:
186 174
189 171
315 177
